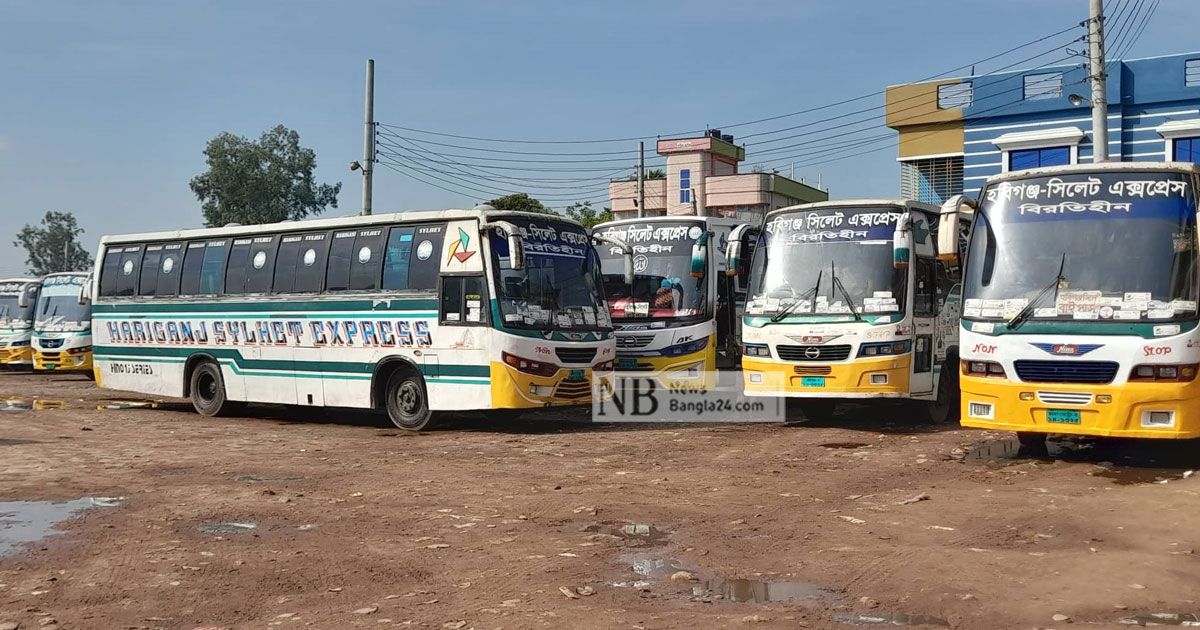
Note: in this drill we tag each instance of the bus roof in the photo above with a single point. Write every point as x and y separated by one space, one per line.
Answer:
857 203
20 279
1103 167
58 274
673 219
333 223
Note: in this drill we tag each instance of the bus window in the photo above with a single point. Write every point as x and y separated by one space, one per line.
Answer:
285 263
368 260
212 270
261 264
395 261
235 271
148 283
109 271
425 263
168 269
310 265
337 278
462 300
121 267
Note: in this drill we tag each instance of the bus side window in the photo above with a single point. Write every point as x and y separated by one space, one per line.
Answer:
367 263
337 278
126 276
235 271
193 260
925 291
425 264
260 264
169 269
110 270
285 264
462 300
396 259
148 282
310 264
212 270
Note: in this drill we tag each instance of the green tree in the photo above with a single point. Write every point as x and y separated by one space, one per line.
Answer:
53 245
261 181
519 202
584 213
656 173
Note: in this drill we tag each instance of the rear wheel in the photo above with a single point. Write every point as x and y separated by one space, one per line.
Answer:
407 401
207 387
945 409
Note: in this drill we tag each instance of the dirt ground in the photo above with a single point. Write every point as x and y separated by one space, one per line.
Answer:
558 523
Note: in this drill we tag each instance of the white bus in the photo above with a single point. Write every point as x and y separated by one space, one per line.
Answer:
18 296
62 324
848 300
409 313
680 313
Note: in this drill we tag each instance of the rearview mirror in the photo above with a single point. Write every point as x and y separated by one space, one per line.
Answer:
949 223
700 256
626 253
734 253
902 242
516 244
85 291
23 297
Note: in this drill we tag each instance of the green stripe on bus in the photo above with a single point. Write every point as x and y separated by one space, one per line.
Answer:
106 353
275 304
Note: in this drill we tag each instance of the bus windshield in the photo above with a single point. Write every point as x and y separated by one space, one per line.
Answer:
1085 246
11 313
58 307
559 288
827 261
663 287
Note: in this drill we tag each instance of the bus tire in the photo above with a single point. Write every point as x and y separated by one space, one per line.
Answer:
407 401
947 407
207 389
818 409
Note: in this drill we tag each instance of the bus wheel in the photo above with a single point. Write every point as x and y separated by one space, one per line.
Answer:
208 391
818 410
407 402
946 408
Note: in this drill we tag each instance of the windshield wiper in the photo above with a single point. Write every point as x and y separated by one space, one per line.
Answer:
1027 312
790 308
845 294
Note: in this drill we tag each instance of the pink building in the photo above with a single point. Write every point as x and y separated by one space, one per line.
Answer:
703 180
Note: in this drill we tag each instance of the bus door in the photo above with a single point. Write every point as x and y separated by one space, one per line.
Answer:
924 283
731 292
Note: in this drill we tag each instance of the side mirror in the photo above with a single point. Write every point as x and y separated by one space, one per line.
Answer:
626 252
516 244
628 270
85 291
700 256
23 297
734 254
902 242
948 226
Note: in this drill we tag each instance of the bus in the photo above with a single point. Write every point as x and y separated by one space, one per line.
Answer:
1080 303
411 314
17 299
848 301
62 324
678 314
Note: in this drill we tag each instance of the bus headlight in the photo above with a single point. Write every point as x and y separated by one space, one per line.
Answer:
607 366
982 368
529 366
756 350
1147 373
688 347
887 348
79 350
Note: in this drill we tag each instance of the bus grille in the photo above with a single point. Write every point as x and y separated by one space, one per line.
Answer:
813 353
812 369
50 343
573 390
1066 371
627 342
575 355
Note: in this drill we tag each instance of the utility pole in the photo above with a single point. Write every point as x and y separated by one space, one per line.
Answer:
1099 80
641 178
368 165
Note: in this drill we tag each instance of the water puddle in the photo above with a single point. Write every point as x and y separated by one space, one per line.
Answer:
265 479
640 533
890 619
1124 462
229 527
1162 619
126 404
24 522
845 445
15 441
763 591
649 565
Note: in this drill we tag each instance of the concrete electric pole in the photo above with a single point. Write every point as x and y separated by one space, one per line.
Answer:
1099 80
641 179
368 164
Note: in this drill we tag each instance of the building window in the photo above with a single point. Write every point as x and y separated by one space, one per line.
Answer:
685 185
1039 86
931 180
1187 150
954 95
1033 158
1191 73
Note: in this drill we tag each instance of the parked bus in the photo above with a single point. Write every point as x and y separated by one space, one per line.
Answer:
1080 303
409 313
679 313
62 325
849 301
18 296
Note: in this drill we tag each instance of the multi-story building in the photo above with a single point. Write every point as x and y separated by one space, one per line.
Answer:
954 133
702 179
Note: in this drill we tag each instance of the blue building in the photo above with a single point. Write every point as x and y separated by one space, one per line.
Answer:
955 133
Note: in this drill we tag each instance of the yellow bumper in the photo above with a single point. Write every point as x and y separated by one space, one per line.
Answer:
696 370
1123 417
62 361
513 389
16 356
767 377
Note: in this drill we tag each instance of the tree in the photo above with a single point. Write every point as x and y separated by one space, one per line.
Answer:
656 173
519 202
261 181
54 245
587 215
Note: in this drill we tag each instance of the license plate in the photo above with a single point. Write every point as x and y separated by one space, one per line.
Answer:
1062 416
575 375
626 364
812 381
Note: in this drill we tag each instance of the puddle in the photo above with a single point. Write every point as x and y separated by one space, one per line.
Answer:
847 445
635 532
653 565
14 442
1124 462
127 404
890 619
1162 619
263 479
763 591
23 522
230 527
15 404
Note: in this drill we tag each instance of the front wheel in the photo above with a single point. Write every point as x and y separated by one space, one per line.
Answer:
208 391
946 408
408 402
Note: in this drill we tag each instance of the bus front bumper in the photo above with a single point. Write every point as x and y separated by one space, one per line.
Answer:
62 361
513 389
882 377
695 370
19 355
1134 410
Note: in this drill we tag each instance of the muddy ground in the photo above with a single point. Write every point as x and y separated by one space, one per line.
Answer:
287 518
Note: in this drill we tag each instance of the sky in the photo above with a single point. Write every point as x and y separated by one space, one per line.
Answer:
105 108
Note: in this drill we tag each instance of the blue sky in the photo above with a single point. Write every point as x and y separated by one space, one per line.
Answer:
106 107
